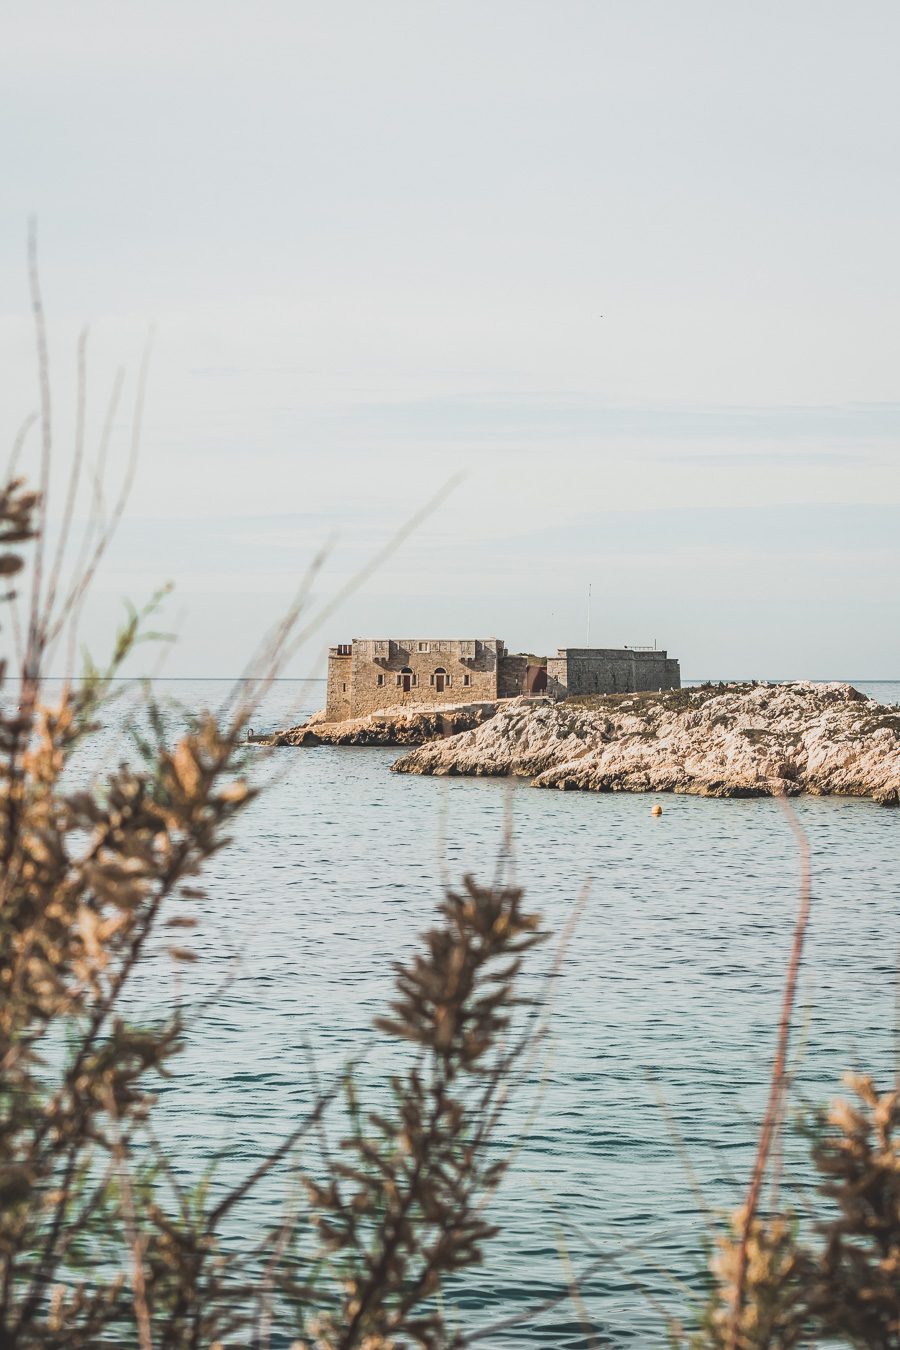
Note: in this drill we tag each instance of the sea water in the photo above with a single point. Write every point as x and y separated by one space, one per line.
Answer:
641 1110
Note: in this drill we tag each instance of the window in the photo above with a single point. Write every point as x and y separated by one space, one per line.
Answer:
467 680
424 647
345 689
379 681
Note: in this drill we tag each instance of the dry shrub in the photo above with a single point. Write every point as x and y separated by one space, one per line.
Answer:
403 1206
99 1241
842 1283
855 1278
772 1286
87 876
772 1312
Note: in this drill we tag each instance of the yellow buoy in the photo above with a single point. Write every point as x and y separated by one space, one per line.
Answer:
656 809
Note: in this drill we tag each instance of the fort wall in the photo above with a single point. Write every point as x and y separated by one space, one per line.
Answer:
390 672
511 676
338 697
370 674
602 670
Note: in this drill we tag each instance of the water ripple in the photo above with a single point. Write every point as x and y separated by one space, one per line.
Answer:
669 990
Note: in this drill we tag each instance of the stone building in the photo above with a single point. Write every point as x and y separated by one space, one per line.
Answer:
610 670
372 673
369 674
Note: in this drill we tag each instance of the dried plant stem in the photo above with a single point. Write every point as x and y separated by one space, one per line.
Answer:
777 1085
84 877
74 476
135 1241
85 575
31 668
575 1294
394 1228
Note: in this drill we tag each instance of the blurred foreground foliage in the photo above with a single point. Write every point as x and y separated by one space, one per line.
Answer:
101 1243
842 1287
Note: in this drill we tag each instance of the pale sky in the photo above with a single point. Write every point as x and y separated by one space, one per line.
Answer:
632 268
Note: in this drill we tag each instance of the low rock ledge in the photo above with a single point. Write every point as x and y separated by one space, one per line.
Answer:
392 726
734 740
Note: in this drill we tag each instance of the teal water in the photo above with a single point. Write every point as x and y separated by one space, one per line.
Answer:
669 991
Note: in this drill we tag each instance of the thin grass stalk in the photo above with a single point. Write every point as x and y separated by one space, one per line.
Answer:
777 1084
136 1241
33 646
74 476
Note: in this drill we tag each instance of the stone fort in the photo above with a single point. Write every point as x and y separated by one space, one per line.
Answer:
371 674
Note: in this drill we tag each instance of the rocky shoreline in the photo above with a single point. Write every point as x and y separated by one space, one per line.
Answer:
735 740
393 726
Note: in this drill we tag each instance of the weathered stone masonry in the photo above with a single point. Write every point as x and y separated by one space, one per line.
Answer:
369 674
610 670
372 673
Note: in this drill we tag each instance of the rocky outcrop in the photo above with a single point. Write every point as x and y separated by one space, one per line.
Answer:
715 741
393 726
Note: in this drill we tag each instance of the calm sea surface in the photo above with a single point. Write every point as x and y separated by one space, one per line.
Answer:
663 1013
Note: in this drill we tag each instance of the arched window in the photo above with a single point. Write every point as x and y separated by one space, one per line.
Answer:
406 679
441 680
